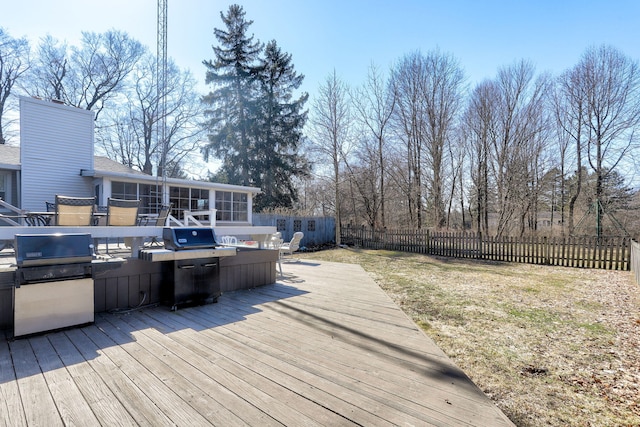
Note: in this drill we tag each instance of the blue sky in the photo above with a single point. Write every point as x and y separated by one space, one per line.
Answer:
349 35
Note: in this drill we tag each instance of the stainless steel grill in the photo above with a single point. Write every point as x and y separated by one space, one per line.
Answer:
54 282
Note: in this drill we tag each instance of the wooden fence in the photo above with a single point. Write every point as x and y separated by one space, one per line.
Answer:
635 260
612 253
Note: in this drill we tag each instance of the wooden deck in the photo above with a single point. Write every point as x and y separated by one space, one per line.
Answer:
323 346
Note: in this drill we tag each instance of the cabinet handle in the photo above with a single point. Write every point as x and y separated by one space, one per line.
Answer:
186 267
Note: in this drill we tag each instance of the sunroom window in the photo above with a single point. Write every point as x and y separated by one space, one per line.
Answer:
232 206
150 195
188 199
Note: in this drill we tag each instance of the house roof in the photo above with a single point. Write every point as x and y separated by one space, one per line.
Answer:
107 165
9 157
107 168
136 176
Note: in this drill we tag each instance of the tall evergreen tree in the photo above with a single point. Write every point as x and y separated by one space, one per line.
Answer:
278 128
255 124
233 74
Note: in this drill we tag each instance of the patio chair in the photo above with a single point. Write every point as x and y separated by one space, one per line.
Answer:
276 243
161 221
229 240
122 213
74 211
100 215
290 247
273 241
44 219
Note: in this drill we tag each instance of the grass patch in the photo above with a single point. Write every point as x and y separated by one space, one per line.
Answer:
534 316
597 330
550 345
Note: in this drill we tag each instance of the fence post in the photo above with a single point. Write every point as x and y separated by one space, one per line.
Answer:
545 242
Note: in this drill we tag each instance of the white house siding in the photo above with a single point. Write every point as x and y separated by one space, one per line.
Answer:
56 142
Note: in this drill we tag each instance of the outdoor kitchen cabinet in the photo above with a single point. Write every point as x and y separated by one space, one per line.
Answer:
190 282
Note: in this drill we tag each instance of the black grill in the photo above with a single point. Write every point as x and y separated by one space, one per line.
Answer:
192 279
183 238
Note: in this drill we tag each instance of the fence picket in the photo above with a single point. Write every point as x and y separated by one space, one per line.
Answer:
610 257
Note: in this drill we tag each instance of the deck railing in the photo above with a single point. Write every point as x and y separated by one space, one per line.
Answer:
611 253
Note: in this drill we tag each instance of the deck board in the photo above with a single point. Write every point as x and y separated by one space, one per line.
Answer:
127 393
325 346
63 388
228 407
102 401
378 377
36 398
257 359
12 412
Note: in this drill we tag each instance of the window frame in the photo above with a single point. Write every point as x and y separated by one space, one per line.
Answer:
188 199
232 206
149 202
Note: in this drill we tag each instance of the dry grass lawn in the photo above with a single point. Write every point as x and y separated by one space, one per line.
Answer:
550 345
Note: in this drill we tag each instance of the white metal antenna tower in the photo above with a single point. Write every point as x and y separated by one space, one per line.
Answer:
161 69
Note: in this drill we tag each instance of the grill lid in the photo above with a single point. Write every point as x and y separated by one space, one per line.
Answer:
179 238
51 249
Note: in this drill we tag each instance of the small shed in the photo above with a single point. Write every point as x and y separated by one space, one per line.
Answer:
318 230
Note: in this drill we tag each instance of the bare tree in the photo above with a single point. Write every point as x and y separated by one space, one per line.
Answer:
569 103
517 142
456 153
361 174
14 63
398 183
374 103
331 125
89 75
442 97
101 66
48 74
129 134
428 91
480 127
612 86
410 123
506 127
